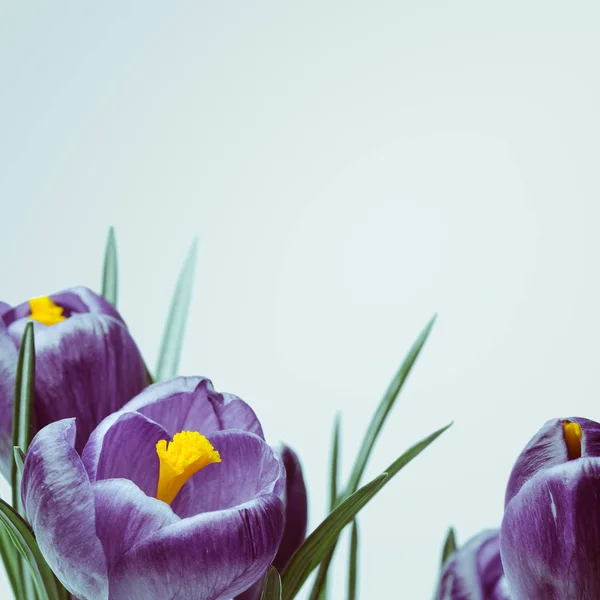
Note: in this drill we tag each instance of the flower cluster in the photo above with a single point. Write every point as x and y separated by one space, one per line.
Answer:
126 488
166 491
547 545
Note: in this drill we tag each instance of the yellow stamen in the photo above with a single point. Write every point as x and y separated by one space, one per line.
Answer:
573 437
180 459
45 311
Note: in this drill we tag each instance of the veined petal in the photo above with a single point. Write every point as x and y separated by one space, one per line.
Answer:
551 534
76 300
191 403
59 504
296 513
296 508
212 556
127 450
474 572
87 367
548 448
126 516
248 467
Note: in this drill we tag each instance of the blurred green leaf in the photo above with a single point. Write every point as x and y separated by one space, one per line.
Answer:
12 563
22 537
19 458
319 589
272 585
353 562
22 430
392 470
449 545
110 271
413 452
320 541
172 340
385 406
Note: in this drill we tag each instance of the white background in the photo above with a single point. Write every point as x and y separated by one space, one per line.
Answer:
349 168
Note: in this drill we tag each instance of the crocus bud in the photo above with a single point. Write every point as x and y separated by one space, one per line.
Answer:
550 533
474 572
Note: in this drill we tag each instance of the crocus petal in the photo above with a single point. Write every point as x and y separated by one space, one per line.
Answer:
551 534
87 367
128 451
82 300
548 448
248 467
296 515
126 516
76 300
8 368
296 508
474 572
212 556
59 504
191 403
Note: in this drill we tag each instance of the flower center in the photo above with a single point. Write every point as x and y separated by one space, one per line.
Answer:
573 439
45 311
185 455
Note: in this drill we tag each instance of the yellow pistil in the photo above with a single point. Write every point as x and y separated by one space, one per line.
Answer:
180 459
573 437
45 311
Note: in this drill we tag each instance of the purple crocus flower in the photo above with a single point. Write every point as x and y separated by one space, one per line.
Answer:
474 572
550 533
100 523
87 364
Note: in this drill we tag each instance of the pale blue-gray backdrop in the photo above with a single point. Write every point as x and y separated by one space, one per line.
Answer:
349 168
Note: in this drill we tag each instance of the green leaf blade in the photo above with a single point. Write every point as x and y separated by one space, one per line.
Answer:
23 406
22 537
353 562
321 540
110 270
385 406
450 546
172 340
272 586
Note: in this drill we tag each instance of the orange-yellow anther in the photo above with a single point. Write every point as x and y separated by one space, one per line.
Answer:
45 311
185 455
573 437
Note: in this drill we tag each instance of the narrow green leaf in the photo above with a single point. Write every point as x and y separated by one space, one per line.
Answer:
110 271
22 430
12 563
449 546
392 470
172 340
335 457
413 452
319 589
272 585
353 562
22 537
384 408
320 541
19 458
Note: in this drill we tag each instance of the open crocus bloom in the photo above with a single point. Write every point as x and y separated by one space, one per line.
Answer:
87 364
550 532
105 533
474 572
